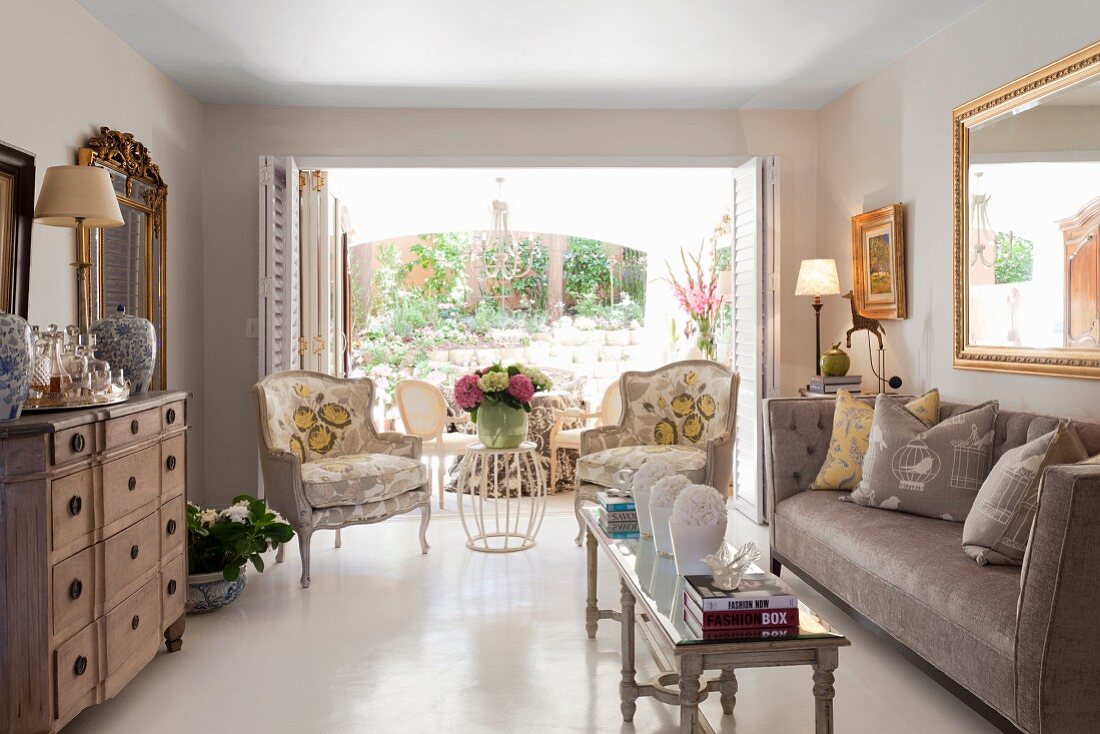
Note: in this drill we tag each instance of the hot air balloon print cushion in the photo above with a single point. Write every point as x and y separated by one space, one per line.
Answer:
935 472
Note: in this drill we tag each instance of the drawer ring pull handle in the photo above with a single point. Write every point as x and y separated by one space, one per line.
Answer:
132 483
76 588
170 416
171 527
133 552
135 622
75 505
171 463
77 443
171 587
81 665
134 426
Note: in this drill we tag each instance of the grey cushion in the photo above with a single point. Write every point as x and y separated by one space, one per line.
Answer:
998 528
935 472
906 573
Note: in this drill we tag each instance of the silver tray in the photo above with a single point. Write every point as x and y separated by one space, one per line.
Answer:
40 405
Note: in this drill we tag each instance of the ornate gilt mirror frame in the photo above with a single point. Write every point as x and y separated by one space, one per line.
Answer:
1064 362
140 189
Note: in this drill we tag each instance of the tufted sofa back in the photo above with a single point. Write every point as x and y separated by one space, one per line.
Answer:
684 403
315 415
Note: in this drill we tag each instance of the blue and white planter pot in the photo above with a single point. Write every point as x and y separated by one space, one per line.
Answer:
209 591
129 342
16 365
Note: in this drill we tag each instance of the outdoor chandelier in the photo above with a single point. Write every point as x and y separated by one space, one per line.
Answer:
502 259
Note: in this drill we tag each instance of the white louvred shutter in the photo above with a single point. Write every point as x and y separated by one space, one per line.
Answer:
280 279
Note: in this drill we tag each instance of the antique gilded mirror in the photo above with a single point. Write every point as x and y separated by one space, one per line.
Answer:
128 262
1027 223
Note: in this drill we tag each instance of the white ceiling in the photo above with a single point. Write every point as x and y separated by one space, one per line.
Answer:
524 53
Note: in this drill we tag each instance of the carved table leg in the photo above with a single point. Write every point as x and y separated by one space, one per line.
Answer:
173 636
728 687
628 688
591 610
691 667
826 663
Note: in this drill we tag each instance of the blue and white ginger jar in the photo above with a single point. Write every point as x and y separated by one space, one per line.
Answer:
16 365
129 342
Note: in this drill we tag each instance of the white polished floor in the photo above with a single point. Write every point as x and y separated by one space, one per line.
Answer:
387 640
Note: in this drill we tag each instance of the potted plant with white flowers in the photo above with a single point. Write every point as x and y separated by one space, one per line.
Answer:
221 542
698 527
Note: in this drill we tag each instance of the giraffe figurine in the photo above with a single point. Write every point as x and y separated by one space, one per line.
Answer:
862 323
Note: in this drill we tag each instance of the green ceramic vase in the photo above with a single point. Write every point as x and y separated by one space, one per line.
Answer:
500 426
835 362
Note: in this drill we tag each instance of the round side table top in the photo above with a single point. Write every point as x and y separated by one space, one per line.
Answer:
483 449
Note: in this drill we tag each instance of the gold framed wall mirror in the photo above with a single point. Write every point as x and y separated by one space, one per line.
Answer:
128 266
1027 223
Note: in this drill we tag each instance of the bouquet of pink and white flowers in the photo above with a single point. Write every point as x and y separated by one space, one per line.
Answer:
698 294
513 386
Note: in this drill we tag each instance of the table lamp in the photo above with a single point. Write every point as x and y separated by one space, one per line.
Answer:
78 197
817 278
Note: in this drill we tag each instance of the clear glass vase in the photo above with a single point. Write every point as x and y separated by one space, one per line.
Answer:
500 426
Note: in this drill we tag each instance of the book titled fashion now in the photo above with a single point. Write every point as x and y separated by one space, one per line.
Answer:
756 591
751 619
615 502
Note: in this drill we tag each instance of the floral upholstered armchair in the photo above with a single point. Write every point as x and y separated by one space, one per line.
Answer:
324 465
683 412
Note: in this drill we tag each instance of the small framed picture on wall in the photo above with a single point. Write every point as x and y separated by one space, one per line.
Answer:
878 263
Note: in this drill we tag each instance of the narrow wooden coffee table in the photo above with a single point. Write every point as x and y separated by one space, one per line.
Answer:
652 599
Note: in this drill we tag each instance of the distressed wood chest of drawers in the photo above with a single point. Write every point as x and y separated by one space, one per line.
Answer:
93 563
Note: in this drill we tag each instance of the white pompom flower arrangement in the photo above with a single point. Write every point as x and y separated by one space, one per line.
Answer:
649 473
700 506
661 499
667 489
698 527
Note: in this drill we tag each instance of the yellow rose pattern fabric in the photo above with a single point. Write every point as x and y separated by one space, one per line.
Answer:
843 467
600 467
353 479
314 419
678 407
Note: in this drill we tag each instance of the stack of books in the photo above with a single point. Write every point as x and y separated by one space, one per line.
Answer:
619 518
829 385
761 606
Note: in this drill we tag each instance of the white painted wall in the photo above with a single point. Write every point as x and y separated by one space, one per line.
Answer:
889 139
66 75
235 136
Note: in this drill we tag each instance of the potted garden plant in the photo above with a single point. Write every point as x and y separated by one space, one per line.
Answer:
221 542
498 400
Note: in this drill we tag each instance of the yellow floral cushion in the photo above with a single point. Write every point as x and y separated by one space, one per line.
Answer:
600 467
679 406
315 419
843 467
357 478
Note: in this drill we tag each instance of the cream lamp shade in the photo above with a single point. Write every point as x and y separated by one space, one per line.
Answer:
72 193
817 278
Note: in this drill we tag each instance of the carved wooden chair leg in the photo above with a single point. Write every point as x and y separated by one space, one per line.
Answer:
440 477
553 467
339 540
281 553
577 512
425 517
303 547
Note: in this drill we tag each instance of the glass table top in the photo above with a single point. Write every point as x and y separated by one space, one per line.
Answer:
663 590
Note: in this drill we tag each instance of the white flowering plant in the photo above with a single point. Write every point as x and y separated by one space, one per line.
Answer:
651 471
699 505
225 540
667 489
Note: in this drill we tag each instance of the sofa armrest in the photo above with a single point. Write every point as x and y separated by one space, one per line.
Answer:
606 437
282 472
397 444
796 441
1056 661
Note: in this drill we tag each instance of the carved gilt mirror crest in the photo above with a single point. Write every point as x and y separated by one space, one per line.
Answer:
128 262
1027 223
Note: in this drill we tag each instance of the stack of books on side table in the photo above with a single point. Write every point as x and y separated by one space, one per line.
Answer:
761 606
821 385
619 518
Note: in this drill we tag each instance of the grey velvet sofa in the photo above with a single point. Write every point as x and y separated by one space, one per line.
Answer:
1021 646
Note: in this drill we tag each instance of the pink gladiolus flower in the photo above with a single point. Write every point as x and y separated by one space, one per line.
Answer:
467 393
521 388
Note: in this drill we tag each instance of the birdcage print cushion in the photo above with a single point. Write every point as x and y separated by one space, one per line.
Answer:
843 467
935 472
997 529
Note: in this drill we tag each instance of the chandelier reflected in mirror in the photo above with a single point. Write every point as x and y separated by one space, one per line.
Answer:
501 260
